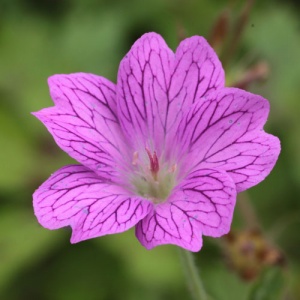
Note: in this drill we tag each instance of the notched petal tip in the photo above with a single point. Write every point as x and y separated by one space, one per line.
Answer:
244 100
151 240
198 68
194 247
267 151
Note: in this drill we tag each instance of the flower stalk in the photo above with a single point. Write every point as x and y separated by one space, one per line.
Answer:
193 279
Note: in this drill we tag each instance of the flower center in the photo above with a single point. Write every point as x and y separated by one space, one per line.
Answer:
152 177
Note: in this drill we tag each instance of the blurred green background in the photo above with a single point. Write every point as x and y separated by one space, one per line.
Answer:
39 38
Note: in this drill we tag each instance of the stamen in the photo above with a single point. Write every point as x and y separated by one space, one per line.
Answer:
173 168
135 158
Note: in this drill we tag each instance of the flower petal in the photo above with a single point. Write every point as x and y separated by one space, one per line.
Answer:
74 196
202 204
155 86
225 132
197 71
143 81
84 122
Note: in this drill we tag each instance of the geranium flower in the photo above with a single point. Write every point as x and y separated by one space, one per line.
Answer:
166 149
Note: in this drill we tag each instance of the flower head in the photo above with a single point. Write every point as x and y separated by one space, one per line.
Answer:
166 149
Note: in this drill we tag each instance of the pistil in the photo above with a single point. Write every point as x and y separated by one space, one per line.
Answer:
154 164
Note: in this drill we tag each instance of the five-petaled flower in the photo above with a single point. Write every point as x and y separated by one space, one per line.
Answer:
166 149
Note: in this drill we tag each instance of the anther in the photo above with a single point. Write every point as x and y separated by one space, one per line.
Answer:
135 158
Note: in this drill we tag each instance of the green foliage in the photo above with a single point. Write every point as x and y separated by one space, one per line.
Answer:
269 286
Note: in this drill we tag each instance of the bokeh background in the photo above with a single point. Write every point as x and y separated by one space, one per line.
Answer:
260 259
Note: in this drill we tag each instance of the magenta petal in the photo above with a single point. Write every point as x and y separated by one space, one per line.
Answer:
143 81
84 123
74 196
197 72
202 204
225 131
155 86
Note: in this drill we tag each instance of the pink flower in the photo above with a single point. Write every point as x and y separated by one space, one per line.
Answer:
165 150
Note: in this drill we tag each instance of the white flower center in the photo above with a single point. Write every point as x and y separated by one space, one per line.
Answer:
152 177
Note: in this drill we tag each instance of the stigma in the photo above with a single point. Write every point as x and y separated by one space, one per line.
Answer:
154 164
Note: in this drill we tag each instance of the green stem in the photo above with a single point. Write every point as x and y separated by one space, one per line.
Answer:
192 275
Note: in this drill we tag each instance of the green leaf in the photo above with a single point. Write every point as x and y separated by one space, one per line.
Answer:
269 286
